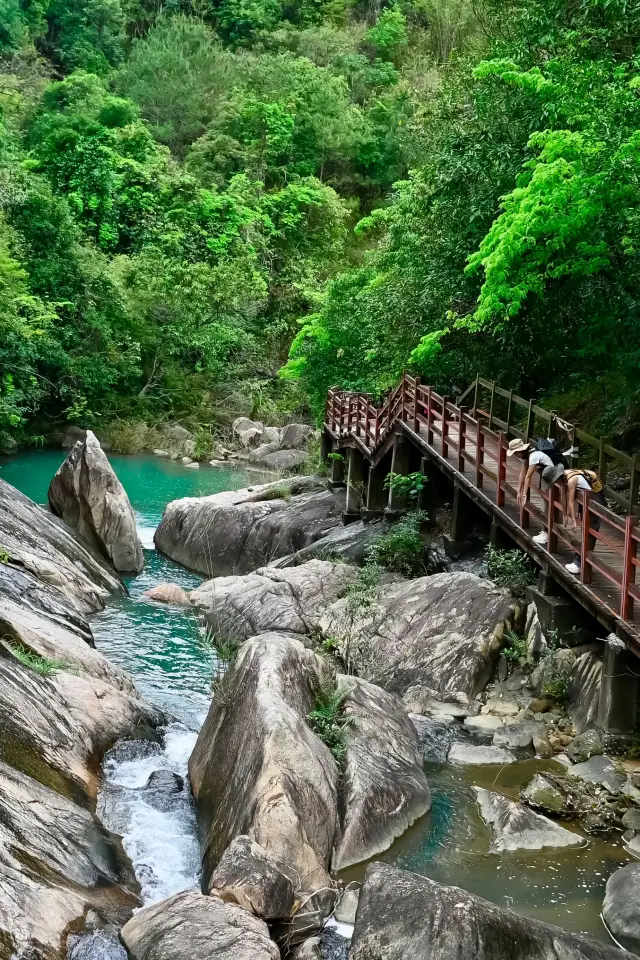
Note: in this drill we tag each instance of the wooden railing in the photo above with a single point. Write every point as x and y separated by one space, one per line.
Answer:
474 441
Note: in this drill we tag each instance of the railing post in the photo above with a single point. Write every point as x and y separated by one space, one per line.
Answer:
634 489
479 456
475 397
602 463
415 405
445 445
628 569
493 398
585 567
366 422
462 439
552 541
403 388
531 418
502 469
429 417
509 414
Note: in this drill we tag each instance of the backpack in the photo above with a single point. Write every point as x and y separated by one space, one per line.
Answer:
591 477
550 448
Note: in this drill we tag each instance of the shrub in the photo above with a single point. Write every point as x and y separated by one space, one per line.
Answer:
515 648
401 549
511 569
326 718
406 484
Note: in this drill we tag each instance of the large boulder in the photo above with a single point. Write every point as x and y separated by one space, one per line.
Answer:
384 789
248 432
200 928
248 877
240 531
621 907
442 631
56 864
347 543
583 695
295 435
516 827
402 915
33 540
258 770
168 593
87 495
291 599
281 459
57 727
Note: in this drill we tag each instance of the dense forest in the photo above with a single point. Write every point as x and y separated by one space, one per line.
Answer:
210 207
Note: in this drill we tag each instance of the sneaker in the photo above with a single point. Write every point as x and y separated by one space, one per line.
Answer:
542 539
572 567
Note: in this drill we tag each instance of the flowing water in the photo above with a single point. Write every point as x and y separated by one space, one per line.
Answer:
160 646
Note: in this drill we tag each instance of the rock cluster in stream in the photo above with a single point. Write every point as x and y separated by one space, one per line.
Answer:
57 862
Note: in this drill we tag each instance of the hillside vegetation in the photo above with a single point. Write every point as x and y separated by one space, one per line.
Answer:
218 207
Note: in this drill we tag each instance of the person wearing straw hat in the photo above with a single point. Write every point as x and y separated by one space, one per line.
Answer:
532 460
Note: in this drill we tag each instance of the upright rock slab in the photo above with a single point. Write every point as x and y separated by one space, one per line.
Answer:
190 925
291 599
87 495
621 907
403 916
384 789
56 863
242 530
443 632
258 770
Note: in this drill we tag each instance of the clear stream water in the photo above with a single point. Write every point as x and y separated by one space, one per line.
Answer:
160 647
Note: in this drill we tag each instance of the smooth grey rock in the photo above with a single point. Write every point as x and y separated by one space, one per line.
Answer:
295 435
442 631
175 431
516 827
631 819
348 543
263 450
282 460
599 770
435 736
190 925
88 496
347 906
541 745
633 846
516 736
291 599
56 863
239 531
248 432
168 593
272 434
384 789
43 547
404 916
586 745
543 795
248 877
621 907
418 698
258 769
472 755
501 708
484 724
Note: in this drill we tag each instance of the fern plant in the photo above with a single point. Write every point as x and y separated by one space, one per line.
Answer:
326 719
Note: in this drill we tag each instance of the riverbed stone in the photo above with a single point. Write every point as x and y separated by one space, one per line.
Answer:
98 945
403 915
419 698
501 708
248 877
516 827
516 736
236 532
258 770
631 819
168 593
621 907
472 755
583 695
633 846
36 542
544 795
347 906
442 631
88 496
601 771
484 724
291 599
192 925
56 863
585 745
435 735
347 543
248 432
282 460
383 787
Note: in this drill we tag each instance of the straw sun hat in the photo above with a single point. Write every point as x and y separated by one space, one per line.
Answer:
517 446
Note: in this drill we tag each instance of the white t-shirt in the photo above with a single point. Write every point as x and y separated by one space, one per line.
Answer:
540 459
582 484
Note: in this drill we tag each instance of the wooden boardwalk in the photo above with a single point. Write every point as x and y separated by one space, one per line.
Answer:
473 455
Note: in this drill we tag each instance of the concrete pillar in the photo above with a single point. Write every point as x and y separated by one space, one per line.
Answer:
499 538
376 497
462 516
619 689
400 464
336 470
325 446
355 485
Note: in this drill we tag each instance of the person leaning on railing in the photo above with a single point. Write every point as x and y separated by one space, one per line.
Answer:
582 480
